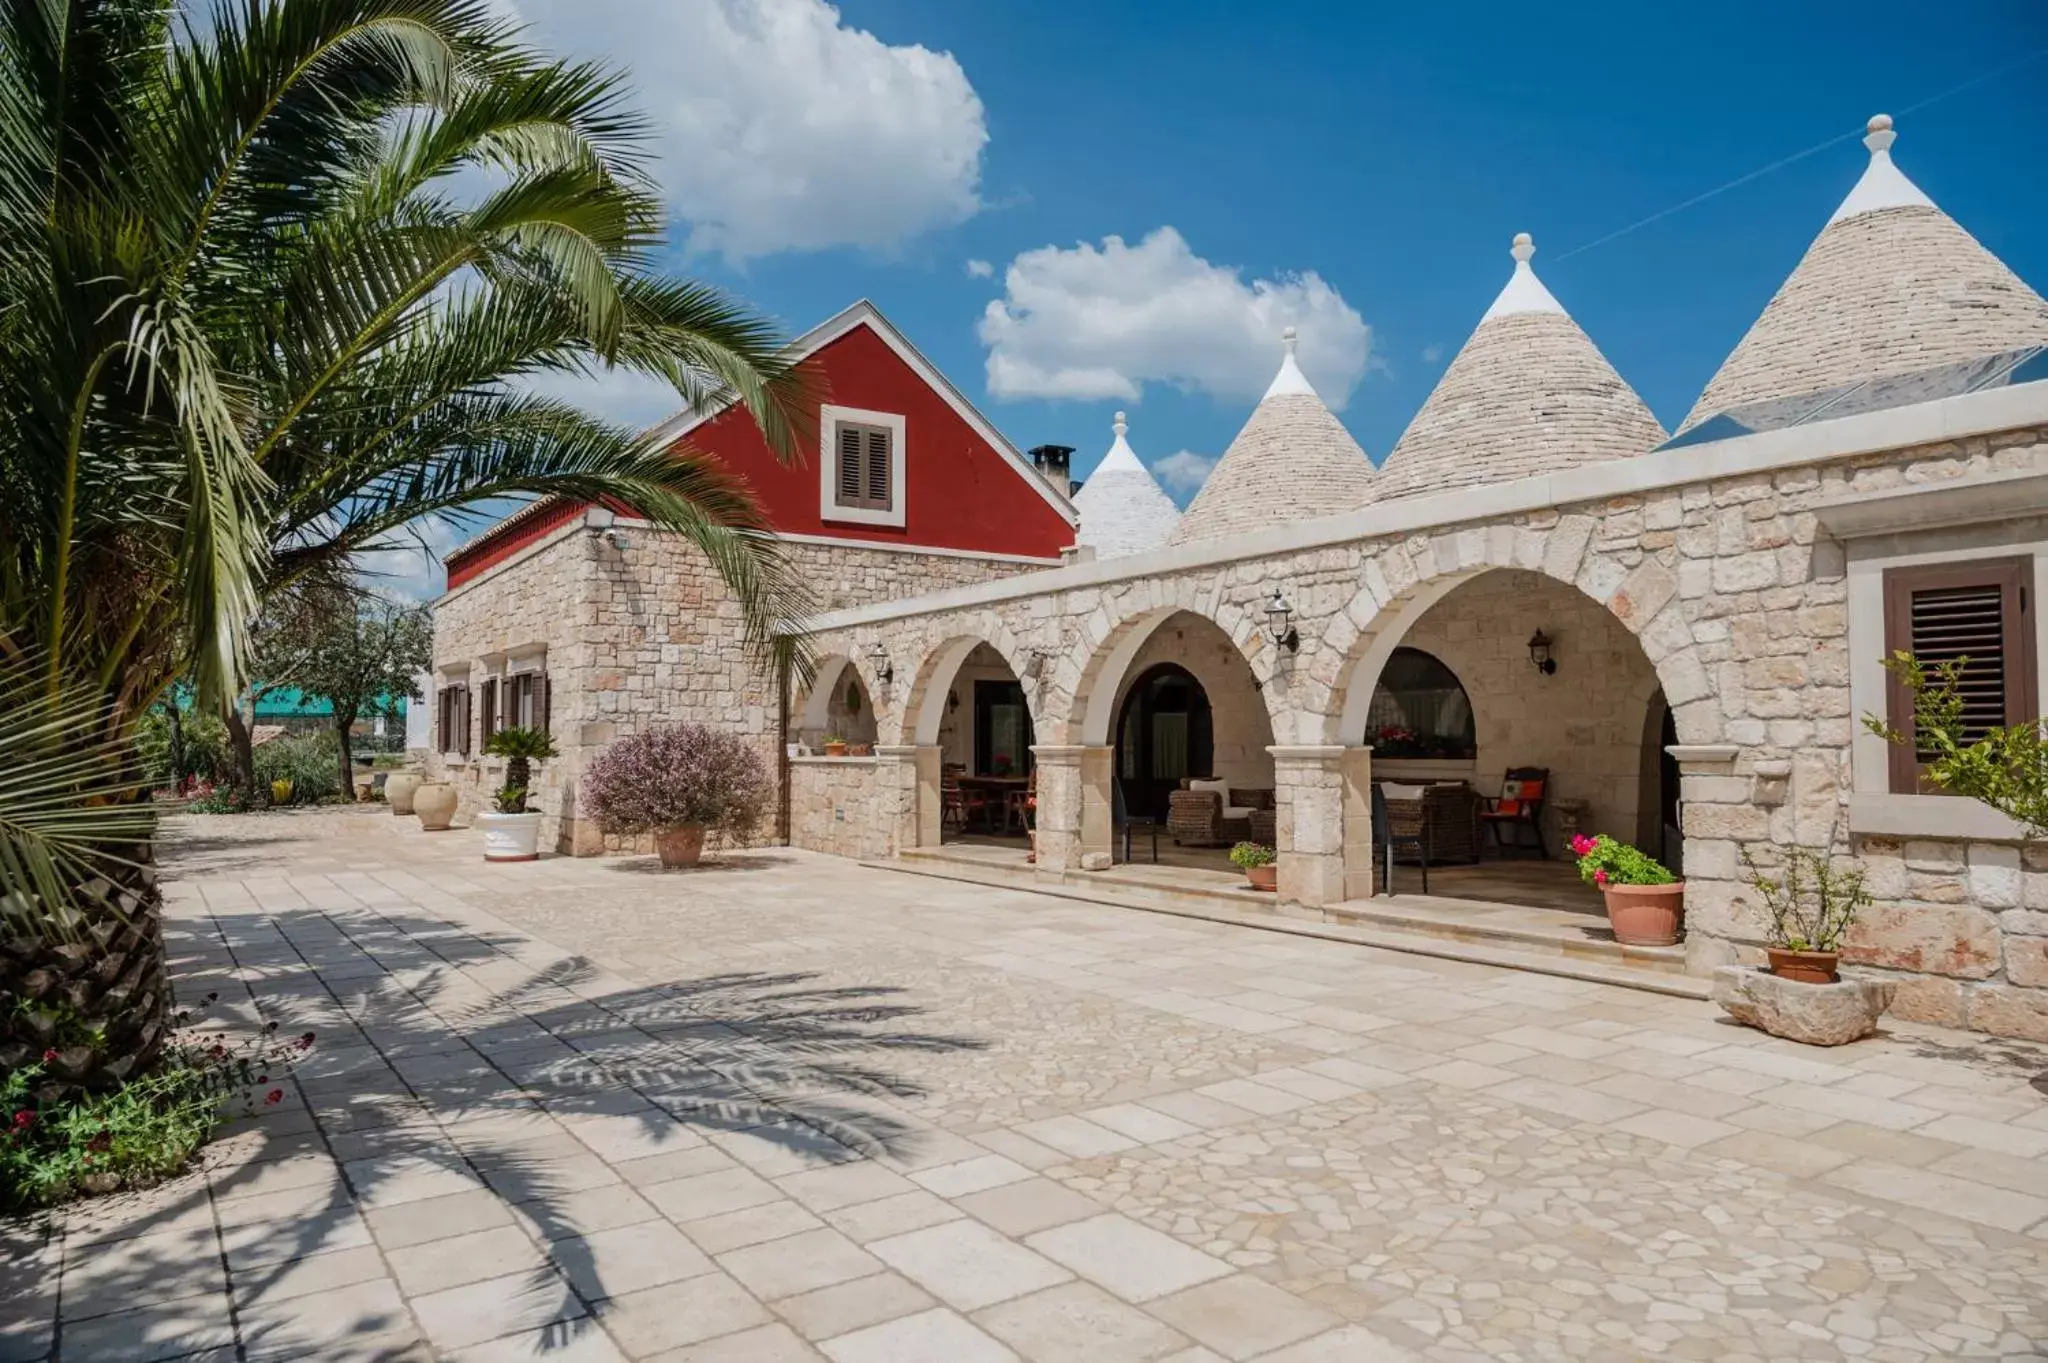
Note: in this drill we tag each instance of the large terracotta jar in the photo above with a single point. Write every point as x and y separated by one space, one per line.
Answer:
1645 915
681 845
399 788
434 802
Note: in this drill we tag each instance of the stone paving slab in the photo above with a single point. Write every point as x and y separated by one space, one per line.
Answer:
786 1108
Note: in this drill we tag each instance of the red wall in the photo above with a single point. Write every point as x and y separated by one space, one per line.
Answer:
962 494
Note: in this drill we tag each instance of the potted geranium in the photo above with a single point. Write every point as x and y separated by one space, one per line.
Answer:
1257 860
678 784
835 746
1645 902
1812 905
512 831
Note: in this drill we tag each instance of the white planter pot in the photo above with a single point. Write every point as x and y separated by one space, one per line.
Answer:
510 837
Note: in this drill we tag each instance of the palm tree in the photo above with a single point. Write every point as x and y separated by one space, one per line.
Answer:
274 283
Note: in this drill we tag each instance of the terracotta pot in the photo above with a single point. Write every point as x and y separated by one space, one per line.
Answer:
398 790
860 750
1806 967
1265 877
1645 915
510 837
680 846
835 750
434 803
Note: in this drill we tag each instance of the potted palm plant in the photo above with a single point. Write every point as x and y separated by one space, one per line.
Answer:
1258 862
677 784
1645 902
512 831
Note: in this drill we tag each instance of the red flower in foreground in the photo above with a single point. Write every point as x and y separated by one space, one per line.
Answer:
24 1119
273 1097
50 1056
1600 878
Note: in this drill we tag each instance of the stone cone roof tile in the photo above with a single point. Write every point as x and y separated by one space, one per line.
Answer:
1528 394
1293 461
1123 509
1892 285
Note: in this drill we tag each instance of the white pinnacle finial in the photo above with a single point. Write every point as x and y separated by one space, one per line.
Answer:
1288 338
1523 249
1883 184
1290 379
1119 425
1524 291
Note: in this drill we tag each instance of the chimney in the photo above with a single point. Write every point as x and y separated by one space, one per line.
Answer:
1053 463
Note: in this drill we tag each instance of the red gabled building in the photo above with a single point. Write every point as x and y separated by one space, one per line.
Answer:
905 489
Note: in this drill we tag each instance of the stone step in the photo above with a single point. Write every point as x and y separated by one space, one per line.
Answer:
1568 938
1246 908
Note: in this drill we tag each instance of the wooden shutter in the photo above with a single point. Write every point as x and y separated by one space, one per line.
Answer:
547 702
462 718
1979 612
866 458
490 706
852 479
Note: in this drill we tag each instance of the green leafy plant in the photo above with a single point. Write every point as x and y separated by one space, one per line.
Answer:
305 760
1246 855
58 1142
1604 862
2005 768
520 747
1812 903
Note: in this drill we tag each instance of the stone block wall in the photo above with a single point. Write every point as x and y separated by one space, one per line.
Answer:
642 636
842 805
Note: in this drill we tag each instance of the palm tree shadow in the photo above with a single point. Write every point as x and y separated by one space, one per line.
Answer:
447 1064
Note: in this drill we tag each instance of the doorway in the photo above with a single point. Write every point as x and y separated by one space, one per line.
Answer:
1165 733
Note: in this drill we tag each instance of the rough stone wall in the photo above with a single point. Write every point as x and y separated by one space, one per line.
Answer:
1737 600
840 805
644 636
1585 722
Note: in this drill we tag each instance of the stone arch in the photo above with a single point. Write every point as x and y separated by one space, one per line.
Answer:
813 713
1401 584
1110 642
924 703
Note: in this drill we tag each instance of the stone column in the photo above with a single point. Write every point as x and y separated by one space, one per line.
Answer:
926 829
1309 792
899 776
1355 770
1098 812
1059 807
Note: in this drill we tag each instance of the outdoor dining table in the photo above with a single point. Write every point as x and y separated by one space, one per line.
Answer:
999 789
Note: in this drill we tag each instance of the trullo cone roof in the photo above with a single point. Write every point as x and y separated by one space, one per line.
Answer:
1123 510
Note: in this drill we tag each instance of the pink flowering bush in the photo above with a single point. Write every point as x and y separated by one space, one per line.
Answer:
1604 862
677 777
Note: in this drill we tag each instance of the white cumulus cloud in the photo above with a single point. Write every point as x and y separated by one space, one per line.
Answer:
980 269
1183 472
782 128
1103 321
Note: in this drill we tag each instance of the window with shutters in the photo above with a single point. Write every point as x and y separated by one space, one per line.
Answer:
1978 612
862 471
490 708
453 719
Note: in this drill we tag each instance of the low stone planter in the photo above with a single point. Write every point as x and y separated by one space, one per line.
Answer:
510 837
1815 1014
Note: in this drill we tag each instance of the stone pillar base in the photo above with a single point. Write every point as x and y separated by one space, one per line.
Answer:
1059 808
1310 792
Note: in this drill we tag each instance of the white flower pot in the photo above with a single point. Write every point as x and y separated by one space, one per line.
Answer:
510 837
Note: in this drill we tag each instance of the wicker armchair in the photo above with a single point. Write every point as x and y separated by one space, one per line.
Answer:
1202 818
1444 819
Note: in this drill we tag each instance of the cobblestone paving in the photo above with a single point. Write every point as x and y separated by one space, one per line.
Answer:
786 1108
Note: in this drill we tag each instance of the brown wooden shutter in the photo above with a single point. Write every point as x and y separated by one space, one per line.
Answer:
547 702
852 484
462 718
1979 612
490 706
878 468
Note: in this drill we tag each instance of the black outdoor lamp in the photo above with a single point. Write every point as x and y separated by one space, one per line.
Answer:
1539 654
1279 623
879 656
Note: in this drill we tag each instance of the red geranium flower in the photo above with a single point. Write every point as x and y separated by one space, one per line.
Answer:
273 1097
50 1056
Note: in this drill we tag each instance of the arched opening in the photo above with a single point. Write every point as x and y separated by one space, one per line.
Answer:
970 713
837 709
1657 819
1463 725
1164 735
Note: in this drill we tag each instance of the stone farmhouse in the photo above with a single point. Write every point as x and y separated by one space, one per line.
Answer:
1673 636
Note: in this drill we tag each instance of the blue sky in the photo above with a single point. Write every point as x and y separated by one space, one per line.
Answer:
1360 168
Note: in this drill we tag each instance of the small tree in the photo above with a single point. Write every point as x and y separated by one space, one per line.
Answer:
2006 769
673 778
362 658
520 748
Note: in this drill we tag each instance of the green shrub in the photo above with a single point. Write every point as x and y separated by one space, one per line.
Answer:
205 743
1246 855
1604 862
310 761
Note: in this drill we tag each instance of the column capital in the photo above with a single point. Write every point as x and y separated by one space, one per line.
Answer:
896 750
1059 754
1308 752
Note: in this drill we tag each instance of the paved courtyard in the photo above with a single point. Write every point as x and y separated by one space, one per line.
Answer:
792 1109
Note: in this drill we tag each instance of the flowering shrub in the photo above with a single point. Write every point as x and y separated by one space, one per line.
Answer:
1604 862
56 1143
670 778
1246 855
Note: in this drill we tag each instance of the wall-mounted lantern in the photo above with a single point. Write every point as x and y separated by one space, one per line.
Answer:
1034 665
879 656
1280 623
1539 654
